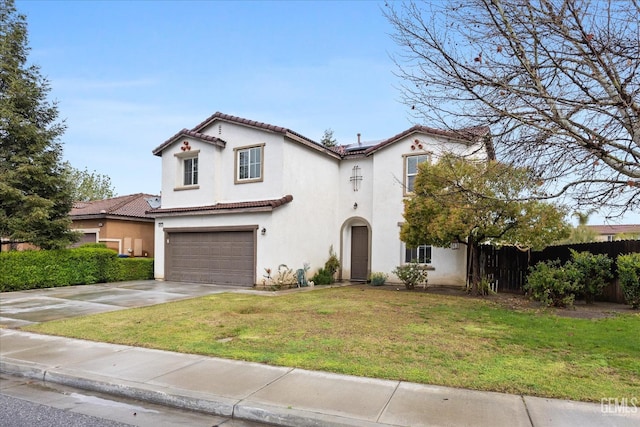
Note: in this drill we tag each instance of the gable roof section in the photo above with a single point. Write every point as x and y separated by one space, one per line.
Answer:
189 133
196 132
131 206
224 208
467 135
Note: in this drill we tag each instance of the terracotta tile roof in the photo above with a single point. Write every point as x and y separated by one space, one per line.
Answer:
467 134
260 125
132 206
193 134
615 229
240 120
250 205
196 132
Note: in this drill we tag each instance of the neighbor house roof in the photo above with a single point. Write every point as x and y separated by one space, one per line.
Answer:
252 206
606 230
131 206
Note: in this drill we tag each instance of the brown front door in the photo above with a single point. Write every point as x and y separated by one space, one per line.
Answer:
359 253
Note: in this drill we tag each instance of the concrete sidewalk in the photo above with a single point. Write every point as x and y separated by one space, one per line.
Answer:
283 396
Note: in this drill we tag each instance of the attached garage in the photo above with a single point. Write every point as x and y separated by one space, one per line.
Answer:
216 256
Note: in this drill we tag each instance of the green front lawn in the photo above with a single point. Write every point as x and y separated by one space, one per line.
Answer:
411 336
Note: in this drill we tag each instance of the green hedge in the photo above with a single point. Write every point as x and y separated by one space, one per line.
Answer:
629 274
64 267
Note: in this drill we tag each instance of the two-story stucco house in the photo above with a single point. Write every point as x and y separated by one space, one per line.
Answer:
240 196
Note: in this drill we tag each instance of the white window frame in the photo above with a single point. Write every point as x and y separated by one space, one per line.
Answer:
190 173
183 158
409 176
255 172
428 249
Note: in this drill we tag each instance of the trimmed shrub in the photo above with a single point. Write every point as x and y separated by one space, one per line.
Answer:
333 263
326 275
629 276
412 274
322 277
378 279
80 266
594 273
134 269
553 284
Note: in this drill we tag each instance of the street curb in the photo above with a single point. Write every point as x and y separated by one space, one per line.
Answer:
183 399
159 395
291 417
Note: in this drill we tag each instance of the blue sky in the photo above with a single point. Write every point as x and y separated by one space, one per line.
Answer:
127 75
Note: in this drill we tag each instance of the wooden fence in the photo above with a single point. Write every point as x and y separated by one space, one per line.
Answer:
507 267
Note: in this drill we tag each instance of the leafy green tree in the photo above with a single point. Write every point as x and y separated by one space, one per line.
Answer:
88 186
327 138
476 202
581 233
35 198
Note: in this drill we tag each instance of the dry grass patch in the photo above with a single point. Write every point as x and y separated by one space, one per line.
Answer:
418 337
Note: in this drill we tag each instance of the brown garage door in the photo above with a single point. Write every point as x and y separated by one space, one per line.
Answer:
222 257
86 238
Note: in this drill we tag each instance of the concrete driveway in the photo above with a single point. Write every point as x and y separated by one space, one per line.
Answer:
41 305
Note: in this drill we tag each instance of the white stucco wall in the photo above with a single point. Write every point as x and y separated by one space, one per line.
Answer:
387 213
322 211
297 232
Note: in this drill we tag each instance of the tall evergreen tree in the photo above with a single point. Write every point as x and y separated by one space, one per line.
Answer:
327 138
35 198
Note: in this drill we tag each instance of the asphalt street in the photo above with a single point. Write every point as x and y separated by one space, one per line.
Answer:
31 403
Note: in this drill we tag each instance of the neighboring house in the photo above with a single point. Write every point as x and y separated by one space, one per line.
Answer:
240 196
7 245
609 233
120 222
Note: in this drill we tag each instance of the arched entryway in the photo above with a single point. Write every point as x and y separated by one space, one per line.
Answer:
355 245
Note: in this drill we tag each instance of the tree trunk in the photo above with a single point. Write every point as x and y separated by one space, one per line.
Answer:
474 261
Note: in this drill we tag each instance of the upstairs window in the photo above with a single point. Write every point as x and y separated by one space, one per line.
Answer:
186 168
190 169
411 169
249 164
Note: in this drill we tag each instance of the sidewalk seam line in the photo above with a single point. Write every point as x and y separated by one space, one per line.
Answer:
526 408
239 401
384 408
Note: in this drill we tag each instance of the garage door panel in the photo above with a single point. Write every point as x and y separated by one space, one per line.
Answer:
225 257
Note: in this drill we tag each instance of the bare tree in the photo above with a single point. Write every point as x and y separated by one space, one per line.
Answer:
556 80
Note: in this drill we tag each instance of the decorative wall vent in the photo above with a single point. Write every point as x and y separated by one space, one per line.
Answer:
416 145
185 146
356 177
